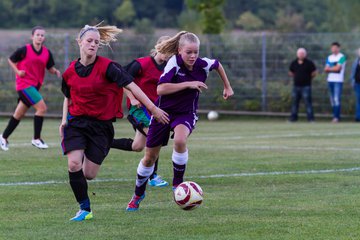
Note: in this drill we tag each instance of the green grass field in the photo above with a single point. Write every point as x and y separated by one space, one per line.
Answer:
262 179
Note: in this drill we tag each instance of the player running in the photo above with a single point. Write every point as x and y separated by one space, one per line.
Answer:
29 63
179 88
91 86
146 72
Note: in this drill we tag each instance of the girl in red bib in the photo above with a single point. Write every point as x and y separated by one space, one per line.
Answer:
146 72
29 64
92 86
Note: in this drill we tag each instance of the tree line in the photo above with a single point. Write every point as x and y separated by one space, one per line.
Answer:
206 16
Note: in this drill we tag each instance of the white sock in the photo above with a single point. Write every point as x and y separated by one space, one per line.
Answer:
144 172
180 158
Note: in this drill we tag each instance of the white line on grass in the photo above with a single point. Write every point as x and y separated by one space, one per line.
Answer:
262 147
302 172
291 135
237 147
210 138
24 144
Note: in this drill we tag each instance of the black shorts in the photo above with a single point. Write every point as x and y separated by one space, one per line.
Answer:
91 135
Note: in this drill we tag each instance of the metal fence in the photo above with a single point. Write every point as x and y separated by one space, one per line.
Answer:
257 66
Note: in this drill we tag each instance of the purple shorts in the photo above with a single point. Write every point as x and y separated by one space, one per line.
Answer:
159 133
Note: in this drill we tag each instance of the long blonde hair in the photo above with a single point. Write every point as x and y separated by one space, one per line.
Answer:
171 46
161 39
107 33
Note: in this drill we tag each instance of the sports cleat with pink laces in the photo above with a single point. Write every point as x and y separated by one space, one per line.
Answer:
134 203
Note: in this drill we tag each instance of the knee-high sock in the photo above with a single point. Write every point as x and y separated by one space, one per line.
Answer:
38 123
143 174
79 186
122 144
179 165
13 123
155 169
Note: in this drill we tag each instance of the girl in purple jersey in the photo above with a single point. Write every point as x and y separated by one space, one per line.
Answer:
178 89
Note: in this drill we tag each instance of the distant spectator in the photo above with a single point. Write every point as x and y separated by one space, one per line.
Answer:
303 70
335 67
355 82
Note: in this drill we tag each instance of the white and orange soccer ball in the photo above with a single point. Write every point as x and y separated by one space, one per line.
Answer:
188 195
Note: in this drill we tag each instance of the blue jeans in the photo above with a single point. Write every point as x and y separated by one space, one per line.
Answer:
297 94
335 90
357 95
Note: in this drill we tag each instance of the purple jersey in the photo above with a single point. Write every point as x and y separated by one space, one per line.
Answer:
185 101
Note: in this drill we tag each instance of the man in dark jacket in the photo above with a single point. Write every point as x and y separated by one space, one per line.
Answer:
303 70
355 81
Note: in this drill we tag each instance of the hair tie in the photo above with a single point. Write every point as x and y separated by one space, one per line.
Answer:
87 28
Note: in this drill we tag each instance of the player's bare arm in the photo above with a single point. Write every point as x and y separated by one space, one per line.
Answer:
55 71
158 114
20 73
170 88
228 91
133 100
64 115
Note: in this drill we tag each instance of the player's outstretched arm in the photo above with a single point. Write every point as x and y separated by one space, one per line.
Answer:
157 113
133 100
228 91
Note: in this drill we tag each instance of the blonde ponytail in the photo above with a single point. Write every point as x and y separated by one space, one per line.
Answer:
107 33
171 46
161 39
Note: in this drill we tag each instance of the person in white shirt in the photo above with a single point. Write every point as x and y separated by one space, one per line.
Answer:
335 67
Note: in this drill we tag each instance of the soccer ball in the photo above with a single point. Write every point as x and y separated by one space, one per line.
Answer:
188 195
213 115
